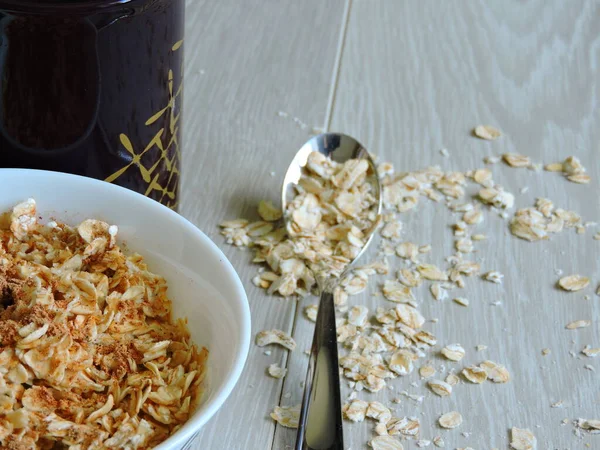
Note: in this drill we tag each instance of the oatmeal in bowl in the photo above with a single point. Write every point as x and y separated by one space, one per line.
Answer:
95 352
90 356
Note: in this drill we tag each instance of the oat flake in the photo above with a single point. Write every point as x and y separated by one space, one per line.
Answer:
496 373
311 312
277 372
268 337
286 416
356 410
578 324
494 277
450 420
487 132
431 272
522 439
475 374
427 371
453 352
461 301
592 426
385 443
516 160
440 388
591 352
573 283
452 379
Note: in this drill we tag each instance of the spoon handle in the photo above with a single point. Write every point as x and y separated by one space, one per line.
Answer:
320 423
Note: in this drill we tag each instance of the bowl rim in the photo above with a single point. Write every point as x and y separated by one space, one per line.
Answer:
192 426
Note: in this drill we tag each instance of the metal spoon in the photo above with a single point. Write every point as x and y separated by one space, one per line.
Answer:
320 422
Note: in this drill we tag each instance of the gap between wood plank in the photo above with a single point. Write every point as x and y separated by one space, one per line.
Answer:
328 115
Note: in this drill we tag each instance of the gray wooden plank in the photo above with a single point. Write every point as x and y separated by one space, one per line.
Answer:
417 77
245 62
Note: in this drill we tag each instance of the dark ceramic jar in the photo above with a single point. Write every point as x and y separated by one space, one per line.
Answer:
94 87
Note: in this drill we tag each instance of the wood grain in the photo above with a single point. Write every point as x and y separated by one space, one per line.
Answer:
245 62
433 73
413 77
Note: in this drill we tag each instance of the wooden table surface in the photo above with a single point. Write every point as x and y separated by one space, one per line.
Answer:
408 78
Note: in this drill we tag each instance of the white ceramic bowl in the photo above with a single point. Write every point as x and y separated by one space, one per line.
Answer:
203 285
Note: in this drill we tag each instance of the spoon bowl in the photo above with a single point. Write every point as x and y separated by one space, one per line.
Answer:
339 148
320 421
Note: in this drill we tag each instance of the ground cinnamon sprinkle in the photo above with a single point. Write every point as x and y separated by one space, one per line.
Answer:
88 350
8 333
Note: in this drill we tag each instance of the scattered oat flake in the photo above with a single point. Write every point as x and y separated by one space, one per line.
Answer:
475 374
409 277
464 245
385 443
452 379
356 410
522 439
450 420
425 248
572 165
268 337
440 388
236 223
491 159
276 371
431 272
397 292
591 352
494 277
407 250
311 312
427 371
453 352
573 283
286 416
487 132
481 347
554 167
438 291
578 324
545 351
580 178
516 160
496 373
438 441
413 397
379 412
497 196
483 176
558 404
592 426
268 212
358 316
461 301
